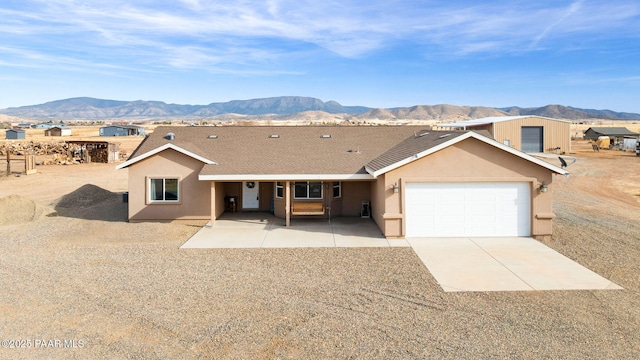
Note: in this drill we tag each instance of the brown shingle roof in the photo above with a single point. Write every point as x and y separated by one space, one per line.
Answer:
234 153
297 150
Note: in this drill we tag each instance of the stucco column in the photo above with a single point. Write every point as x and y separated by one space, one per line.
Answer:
287 202
213 203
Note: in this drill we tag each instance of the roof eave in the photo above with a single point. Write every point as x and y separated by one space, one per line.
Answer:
284 177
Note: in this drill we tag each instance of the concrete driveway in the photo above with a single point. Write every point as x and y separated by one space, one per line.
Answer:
457 264
503 264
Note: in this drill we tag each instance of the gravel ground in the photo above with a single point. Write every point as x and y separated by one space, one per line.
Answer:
127 291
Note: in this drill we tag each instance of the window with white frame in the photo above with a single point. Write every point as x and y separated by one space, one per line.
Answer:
337 189
279 189
164 190
307 190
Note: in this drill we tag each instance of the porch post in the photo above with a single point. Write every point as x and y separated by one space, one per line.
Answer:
287 203
213 203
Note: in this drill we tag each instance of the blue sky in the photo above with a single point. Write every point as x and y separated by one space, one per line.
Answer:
386 53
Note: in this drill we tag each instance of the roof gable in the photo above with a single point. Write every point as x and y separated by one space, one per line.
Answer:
163 148
416 148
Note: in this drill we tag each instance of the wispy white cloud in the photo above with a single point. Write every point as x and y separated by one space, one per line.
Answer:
206 33
522 27
573 9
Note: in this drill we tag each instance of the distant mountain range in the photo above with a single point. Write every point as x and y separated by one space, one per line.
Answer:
286 107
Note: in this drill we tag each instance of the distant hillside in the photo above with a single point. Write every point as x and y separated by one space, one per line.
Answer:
286 107
90 108
570 113
432 112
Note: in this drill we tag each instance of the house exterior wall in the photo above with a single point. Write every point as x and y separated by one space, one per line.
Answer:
353 194
467 161
348 204
194 200
265 194
556 133
383 211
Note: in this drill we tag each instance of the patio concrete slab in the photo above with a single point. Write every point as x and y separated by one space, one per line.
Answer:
503 264
304 235
358 234
263 230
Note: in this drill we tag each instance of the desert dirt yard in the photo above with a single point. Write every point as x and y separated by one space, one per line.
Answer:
73 270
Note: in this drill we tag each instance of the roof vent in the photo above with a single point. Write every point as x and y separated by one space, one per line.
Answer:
212 137
443 136
170 136
274 136
326 136
423 134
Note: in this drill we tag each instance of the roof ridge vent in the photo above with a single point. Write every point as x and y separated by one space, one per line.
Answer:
170 136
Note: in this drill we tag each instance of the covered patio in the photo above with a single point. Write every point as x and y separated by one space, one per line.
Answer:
264 230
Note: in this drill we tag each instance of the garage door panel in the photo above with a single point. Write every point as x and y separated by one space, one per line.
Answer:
451 208
467 209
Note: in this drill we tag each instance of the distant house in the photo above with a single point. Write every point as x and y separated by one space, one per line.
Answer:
14 134
122 130
616 134
528 133
24 125
60 130
45 125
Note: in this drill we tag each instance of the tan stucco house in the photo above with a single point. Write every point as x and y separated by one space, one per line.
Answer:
411 182
528 133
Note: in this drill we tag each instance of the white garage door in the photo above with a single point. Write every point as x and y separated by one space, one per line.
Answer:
468 209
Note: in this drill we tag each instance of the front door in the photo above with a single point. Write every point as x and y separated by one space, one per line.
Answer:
250 192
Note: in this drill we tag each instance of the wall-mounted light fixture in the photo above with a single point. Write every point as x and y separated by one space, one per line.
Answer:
543 187
396 188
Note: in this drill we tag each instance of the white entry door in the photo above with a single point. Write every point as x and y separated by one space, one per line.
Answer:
468 209
250 195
